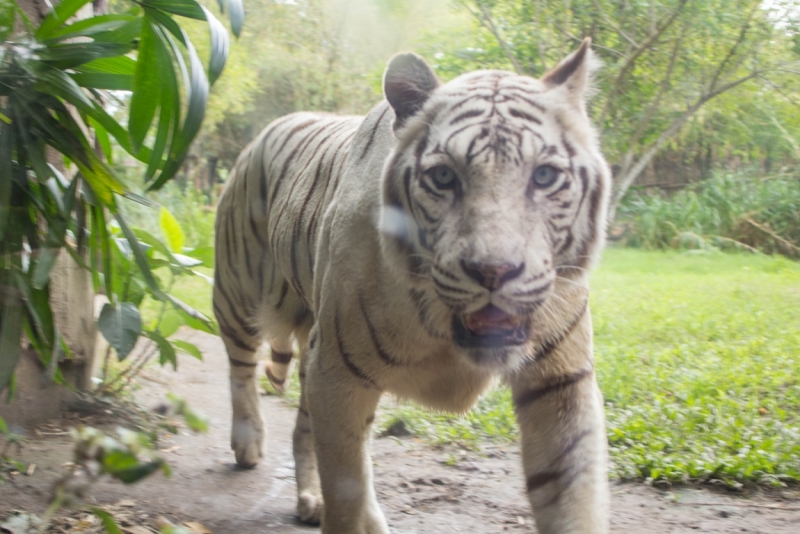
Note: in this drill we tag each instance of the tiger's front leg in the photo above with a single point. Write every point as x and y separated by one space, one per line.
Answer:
342 407
564 453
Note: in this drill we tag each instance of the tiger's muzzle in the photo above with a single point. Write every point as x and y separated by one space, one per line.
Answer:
488 328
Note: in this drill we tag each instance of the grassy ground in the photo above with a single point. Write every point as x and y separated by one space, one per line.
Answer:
698 356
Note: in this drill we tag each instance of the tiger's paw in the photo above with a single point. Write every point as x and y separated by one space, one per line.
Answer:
309 508
247 437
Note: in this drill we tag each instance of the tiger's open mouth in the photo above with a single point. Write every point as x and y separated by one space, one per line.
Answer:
489 327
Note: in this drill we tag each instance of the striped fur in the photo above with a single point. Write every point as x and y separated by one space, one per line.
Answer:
442 240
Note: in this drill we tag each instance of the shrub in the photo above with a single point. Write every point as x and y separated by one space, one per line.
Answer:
726 211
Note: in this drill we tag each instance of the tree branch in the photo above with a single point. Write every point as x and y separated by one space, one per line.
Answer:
732 51
624 182
486 21
654 105
613 26
631 61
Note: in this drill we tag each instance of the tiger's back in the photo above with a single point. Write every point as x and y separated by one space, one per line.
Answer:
268 220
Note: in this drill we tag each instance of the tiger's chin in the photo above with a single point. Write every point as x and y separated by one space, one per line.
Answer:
490 336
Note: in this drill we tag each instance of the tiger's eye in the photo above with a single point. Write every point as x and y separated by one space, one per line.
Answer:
443 176
545 175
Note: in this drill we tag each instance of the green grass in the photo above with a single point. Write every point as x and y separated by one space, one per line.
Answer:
698 356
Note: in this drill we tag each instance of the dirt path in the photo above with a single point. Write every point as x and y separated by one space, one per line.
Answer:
418 490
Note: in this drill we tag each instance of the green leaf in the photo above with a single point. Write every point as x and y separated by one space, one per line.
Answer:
109 523
188 348
193 318
10 333
121 326
58 16
169 115
96 80
166 351
198 97
3 426
171 230
44 264
48 76
91 26
101 134
220 45
124 465
110 65
236 14
146 88
8 11
141 259
102 179
204 254
169 324
184 8
71 55
37 301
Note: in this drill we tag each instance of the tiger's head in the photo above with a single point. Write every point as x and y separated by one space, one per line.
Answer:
496 187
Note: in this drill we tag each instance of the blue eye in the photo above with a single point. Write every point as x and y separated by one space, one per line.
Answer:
545 175
443 177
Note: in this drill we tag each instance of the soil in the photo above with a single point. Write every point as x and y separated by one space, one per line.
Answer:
422 489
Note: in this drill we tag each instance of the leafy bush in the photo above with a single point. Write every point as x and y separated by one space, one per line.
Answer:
52 81
726 211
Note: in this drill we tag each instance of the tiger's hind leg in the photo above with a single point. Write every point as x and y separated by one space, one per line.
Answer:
247 430
309 494
277 368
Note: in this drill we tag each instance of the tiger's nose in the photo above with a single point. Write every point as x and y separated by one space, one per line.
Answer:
492 276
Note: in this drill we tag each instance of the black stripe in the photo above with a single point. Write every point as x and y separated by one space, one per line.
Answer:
249 329
274 379
522 115
538 480
346 357
291 159
467 115
422 313
385 356
372 134
551 345
451 288
239 363
282 296
531 102
281 357
533 395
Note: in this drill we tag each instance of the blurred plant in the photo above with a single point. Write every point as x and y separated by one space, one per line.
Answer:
726 211
7 463
52 81
122 325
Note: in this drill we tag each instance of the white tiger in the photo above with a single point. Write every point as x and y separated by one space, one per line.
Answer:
440 241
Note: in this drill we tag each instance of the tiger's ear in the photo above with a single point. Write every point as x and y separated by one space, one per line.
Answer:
407 84
573 74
